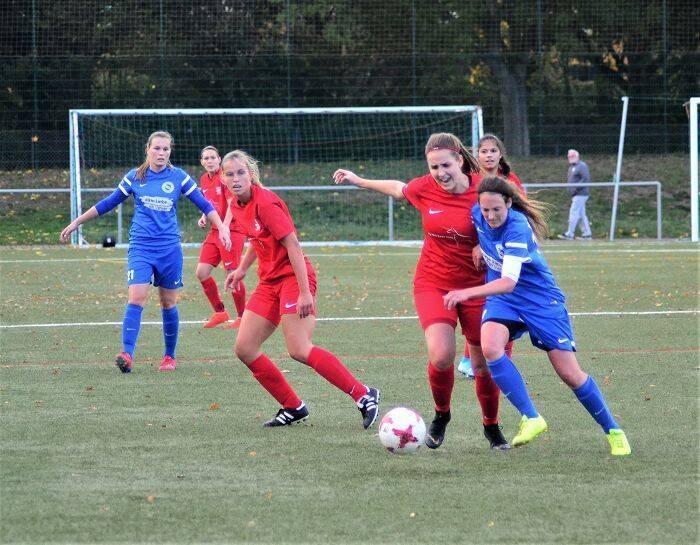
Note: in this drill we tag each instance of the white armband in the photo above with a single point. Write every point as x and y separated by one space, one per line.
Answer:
511 267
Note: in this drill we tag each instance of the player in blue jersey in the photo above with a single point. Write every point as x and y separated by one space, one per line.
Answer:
155 254
522 295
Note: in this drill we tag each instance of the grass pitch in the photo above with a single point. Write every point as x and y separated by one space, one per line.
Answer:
93 456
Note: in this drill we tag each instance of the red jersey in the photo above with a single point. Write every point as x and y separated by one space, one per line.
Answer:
265 219
512 177
446 258
216 192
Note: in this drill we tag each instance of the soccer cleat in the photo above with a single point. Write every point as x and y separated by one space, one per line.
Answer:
287 417
233 325
217 318
465 367
528 430
436 431
124 362
368 405
584 237
565 237
619 446
493 433
168 364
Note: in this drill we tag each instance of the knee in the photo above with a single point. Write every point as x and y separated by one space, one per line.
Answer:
492 351
244 353
299 352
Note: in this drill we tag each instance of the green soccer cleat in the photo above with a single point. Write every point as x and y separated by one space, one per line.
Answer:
528 430
619 446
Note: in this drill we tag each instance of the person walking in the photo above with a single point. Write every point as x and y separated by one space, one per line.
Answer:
155 253
577 177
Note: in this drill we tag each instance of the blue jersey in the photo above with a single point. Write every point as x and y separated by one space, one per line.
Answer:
536 286
154 223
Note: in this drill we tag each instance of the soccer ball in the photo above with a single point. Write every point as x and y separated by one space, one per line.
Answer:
402 431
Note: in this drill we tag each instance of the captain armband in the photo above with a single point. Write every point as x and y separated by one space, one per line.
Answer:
511 267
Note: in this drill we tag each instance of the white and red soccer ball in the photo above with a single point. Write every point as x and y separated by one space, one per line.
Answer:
402 431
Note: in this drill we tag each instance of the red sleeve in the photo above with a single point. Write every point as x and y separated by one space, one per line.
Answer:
276 219
513 177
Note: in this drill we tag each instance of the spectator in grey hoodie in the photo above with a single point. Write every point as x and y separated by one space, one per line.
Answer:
577 177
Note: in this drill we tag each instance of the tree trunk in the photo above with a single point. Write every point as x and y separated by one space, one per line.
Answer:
513 92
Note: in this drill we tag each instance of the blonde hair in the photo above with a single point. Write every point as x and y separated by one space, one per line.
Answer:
250 163
141 172
448 141
503 165
535 211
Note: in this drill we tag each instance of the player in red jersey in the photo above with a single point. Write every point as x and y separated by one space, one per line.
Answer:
491 154
445 198
212 252
285 295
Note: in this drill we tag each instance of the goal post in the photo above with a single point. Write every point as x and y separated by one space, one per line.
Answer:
693 115
298 148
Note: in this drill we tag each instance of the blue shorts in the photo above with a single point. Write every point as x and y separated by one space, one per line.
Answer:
549 327
161 267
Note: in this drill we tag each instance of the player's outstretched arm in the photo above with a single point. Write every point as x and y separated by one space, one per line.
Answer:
393 188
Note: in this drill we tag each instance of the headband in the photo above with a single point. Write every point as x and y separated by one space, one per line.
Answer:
436 148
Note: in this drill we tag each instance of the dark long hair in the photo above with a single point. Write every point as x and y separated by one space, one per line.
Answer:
535 211
503 164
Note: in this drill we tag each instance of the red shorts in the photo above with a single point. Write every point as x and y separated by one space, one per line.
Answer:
431 310
213 252
273 299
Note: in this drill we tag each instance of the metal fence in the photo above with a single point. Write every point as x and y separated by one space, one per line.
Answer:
548 73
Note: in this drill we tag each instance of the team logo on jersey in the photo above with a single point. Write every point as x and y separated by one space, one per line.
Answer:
257 225
499 250
167 187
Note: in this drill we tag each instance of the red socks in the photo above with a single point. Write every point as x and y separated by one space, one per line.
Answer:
327 365
211 290
441 385
488 394
272 379
239 298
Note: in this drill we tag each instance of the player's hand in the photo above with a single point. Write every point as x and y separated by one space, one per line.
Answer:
66 233
342 176
478 258
233 279
305 305
452 298
225 238
202 221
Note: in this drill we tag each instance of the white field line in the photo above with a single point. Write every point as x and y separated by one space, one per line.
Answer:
335 255
356 319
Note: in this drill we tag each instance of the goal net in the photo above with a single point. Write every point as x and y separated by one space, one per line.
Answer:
298 150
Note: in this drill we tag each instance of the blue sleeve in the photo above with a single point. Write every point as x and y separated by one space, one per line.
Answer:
111 201
198 198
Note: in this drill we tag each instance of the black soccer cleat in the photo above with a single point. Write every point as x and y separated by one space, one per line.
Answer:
436 431
493 433
368 405
287 417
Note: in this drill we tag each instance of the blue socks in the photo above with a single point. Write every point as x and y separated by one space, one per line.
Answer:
131 326
171 329
511 383
592 399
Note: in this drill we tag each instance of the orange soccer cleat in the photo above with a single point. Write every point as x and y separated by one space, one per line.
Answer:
233 325
217 318
168 364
